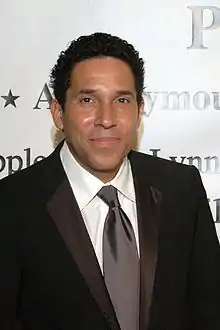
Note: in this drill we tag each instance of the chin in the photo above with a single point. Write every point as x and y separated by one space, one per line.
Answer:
106 165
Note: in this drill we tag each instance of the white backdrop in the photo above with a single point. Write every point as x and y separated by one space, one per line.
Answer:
179 41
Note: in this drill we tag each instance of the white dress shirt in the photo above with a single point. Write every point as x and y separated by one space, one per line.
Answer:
85 187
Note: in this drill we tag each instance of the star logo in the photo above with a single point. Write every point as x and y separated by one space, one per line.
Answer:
10 99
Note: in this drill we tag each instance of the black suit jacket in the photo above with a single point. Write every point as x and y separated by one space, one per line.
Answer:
49 275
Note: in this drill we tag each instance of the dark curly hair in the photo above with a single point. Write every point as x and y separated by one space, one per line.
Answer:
95 45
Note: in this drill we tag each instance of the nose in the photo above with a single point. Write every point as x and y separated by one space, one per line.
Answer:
105 116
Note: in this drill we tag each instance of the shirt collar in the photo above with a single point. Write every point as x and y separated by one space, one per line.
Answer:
123 181
85 186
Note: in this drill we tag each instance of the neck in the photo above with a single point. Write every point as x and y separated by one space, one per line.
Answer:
103 175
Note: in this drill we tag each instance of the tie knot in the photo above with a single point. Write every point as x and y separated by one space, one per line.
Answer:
109 195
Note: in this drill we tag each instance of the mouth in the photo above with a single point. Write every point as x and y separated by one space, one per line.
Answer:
105 141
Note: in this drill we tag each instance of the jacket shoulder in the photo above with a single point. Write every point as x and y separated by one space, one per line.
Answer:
160 163
43 175
165 173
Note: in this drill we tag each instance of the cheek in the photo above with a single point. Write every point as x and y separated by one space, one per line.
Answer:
130 125
76 125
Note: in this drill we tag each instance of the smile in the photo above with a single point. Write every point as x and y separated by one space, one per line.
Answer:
105 140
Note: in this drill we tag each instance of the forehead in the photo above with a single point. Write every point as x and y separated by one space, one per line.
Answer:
102 70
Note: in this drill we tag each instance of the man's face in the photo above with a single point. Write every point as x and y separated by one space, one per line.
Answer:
101 114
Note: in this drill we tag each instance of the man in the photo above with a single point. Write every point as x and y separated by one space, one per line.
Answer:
98 236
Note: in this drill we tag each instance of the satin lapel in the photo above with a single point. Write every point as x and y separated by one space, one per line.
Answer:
67 217
148 200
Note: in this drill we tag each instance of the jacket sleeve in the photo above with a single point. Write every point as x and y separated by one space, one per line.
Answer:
9 262
204 272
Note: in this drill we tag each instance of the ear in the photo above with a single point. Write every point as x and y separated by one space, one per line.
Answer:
57 112
140 113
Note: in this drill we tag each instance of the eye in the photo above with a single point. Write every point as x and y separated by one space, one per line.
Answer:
123 100
86 100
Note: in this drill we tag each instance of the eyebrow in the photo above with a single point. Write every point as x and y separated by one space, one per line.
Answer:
87 91
125 92
118 92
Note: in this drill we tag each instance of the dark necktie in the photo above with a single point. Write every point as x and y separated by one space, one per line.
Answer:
120 261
